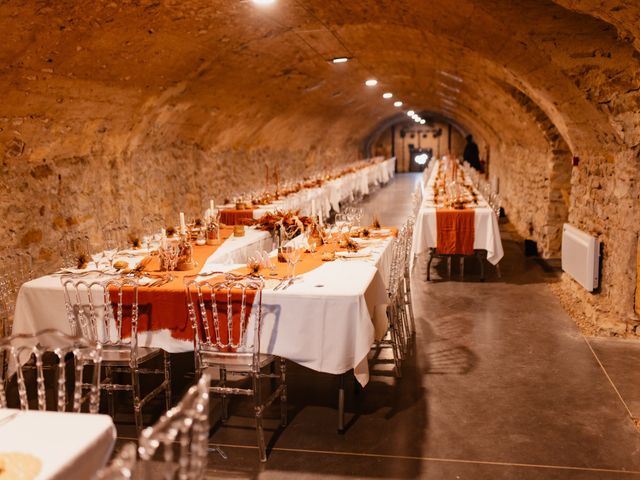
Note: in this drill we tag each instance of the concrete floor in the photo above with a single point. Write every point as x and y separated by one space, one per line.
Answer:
502 386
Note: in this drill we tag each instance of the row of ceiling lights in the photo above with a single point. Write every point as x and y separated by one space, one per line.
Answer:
447 104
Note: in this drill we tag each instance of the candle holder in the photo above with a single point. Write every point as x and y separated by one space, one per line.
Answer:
185 255
212 233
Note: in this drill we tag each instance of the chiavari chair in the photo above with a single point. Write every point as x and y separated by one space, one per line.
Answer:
226 317
108 312
71 357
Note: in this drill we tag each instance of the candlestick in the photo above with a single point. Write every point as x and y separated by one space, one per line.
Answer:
183 225
211 205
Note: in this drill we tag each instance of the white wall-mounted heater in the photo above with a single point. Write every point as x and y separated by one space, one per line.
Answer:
581 256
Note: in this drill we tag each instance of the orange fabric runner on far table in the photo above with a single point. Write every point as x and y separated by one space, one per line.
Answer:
455 231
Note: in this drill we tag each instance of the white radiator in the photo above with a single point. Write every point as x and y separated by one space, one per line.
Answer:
581 256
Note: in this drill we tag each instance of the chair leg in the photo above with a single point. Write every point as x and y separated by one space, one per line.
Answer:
135 392
167 379
224 400
431 255
461 267
449 266
393 327
498 271
283 393
257 396
110 403
409 301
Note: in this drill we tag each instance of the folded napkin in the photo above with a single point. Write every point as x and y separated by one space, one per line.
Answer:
455 231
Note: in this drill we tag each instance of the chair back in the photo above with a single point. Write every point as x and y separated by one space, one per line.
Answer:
184 430
220 311
15 269
122 466
105 311
25 352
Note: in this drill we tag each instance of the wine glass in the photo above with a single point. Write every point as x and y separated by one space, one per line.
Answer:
292 254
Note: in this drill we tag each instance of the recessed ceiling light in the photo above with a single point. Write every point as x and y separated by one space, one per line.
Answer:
397 103
417 119
423 121
411 113
340 60
387 95
372 82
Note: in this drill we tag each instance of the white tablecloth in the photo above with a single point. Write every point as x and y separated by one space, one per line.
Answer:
70 445
332 192
328 320
328 328
487 231
40 302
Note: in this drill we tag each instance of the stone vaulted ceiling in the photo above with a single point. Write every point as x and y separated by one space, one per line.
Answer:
223 73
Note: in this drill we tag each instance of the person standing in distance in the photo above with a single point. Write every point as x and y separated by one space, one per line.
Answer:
472 154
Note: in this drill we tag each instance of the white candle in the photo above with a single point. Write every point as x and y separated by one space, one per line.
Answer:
313 207
211 206
163 233
320 216
183 225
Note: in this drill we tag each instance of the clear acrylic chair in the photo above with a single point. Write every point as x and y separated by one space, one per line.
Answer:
15 269
122 465
393 337
72 358
180 437
407 242
226 316
108 312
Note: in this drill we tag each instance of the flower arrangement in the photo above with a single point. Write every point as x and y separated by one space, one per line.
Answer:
289 223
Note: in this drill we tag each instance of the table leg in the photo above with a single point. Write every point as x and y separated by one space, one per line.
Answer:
341 405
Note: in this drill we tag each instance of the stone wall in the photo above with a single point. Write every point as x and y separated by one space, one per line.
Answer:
46 197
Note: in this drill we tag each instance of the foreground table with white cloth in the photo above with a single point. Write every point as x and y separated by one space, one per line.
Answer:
326 321
487 231
69 445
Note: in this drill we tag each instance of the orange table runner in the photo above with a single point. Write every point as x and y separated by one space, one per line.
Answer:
455 231
231 216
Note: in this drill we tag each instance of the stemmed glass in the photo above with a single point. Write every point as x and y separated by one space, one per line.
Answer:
292 254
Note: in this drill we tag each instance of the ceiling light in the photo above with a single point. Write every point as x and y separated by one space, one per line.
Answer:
411 113
372 82
417 119
423 121
397 103
387 95
263 2
340 60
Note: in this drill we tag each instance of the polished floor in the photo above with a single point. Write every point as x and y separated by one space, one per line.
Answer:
502 386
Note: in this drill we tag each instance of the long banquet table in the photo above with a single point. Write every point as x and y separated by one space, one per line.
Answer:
329 195
487 231
69 445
